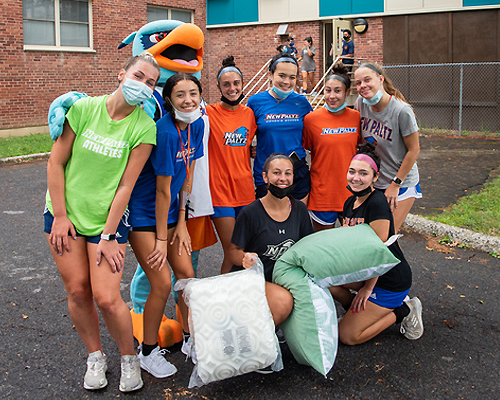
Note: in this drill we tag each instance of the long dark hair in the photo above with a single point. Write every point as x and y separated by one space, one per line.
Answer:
169 87
272 66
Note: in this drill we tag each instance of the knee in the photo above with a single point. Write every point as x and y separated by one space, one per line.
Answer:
280 303
161 289
107 304
348 337
79 294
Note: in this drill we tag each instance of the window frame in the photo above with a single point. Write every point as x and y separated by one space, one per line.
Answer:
57 26
170 9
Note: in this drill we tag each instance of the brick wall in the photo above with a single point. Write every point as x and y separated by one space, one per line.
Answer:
30 80
370 43
251 47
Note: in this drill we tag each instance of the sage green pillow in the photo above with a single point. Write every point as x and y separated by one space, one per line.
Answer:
327 258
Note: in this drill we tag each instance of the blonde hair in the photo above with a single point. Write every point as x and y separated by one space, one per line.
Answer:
146 57
388 85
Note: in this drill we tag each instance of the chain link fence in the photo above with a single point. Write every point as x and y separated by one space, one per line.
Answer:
451 98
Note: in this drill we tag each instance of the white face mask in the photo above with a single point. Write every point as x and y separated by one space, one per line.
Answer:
189 117
135 92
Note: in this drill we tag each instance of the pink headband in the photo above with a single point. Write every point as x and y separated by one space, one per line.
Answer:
367 159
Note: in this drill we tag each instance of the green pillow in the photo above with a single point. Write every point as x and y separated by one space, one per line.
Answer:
327 258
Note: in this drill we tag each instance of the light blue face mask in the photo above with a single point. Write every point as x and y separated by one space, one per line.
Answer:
135 92
334 110
281 93
375 99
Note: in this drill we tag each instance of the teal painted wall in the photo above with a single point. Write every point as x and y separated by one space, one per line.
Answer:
329 8
232 11
470 3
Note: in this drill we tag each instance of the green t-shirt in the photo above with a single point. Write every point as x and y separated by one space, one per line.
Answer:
100 154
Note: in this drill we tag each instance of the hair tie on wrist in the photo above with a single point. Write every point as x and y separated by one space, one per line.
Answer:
161 240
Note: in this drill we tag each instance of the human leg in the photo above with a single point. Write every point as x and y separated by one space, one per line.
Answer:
401 212
143 244
304 81
280 302
224 227
106 290
311 78
357 328
74 270
343 293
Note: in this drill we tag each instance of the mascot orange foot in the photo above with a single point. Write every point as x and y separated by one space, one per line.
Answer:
170 331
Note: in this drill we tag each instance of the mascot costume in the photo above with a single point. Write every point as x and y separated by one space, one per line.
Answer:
177 47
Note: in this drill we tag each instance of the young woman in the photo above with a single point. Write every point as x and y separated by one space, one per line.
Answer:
388 121
382 301
90 175
232 128
331 133
268 227
279 113
308 67
158 208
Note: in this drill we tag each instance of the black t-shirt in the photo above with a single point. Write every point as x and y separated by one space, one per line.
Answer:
256 232
375 207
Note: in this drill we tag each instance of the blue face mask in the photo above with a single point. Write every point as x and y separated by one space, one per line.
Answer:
135 92
374 100
334 110
281 93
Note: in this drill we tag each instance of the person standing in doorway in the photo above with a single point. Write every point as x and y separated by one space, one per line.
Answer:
347 49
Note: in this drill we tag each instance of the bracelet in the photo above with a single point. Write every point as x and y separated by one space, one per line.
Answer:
182 209
161 240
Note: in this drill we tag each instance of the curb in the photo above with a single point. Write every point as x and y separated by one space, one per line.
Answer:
478 241
24 158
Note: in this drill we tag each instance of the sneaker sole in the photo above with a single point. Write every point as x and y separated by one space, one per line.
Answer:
85 386
139 386
419 314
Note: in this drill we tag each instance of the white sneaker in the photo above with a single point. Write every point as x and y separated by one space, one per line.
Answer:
156 364
131 374
95 377
412 325
187 344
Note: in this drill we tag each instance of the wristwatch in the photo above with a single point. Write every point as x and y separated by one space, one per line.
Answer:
397 181
109 237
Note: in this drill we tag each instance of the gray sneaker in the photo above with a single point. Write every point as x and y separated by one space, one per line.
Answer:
187 344
412 326
95 377
131 374
156 364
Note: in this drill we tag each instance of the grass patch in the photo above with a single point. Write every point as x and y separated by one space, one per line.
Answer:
478 212
22 145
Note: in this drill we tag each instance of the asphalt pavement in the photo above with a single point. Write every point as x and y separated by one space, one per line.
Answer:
457 357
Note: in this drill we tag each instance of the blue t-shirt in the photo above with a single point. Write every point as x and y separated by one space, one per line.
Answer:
166 159
279 127
347 48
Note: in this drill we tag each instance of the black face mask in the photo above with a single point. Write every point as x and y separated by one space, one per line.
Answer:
280 192
361 193
346 38
224 99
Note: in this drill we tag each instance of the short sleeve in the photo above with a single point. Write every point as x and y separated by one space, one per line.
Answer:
306 227
242 232
407 121
74 115
163 154
199 130
378 208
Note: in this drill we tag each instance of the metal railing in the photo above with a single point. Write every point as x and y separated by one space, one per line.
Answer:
456 97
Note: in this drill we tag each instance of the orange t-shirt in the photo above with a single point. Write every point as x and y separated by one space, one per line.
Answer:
332 140
231 134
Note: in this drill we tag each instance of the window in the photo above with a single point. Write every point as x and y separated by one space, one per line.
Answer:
157 13
57 24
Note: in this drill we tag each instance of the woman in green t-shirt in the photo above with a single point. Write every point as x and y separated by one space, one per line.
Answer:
90 174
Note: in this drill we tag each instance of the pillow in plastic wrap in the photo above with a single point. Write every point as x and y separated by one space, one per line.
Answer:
326 258
231 325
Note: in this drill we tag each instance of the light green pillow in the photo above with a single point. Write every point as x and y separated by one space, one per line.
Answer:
328 258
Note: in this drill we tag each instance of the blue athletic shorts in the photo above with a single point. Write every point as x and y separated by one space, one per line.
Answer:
408 192
220 212
387 299
324 217
121 231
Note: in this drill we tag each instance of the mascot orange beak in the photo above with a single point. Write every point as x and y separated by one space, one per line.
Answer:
181 50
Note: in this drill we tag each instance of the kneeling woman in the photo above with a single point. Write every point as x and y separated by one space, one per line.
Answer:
382 301
268 227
